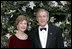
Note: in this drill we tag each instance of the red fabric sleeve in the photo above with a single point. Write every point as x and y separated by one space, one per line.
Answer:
10 43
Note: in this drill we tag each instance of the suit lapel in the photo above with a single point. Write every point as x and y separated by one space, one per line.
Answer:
38 40
49 36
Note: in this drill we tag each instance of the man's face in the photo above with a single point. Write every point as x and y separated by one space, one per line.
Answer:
42 18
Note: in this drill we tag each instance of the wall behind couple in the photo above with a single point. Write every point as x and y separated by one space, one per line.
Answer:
59 11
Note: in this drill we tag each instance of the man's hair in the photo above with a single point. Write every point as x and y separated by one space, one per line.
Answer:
42 10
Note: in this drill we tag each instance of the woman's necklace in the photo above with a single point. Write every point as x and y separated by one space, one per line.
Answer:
22 37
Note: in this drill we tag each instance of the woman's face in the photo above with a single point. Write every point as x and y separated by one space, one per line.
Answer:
22 25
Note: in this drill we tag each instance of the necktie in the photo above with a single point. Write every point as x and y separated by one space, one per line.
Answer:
43 29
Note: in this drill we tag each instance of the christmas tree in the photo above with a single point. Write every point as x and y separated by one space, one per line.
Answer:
59 12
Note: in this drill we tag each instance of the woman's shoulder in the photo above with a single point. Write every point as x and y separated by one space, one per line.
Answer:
12 37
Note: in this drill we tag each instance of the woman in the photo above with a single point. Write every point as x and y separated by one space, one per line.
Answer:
20 39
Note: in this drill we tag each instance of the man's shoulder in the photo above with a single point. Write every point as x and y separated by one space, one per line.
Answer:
34 29
55 27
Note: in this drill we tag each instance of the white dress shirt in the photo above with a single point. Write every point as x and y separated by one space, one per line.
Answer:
43 36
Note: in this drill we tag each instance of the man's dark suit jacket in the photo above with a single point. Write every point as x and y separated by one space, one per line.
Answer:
54 39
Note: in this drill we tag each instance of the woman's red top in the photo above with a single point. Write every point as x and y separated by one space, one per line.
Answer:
14 42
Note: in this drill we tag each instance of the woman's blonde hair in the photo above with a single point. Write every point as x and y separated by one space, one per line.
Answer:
21 18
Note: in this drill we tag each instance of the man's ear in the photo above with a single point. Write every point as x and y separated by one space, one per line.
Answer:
48 18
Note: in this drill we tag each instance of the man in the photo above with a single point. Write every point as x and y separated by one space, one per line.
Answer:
45 35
